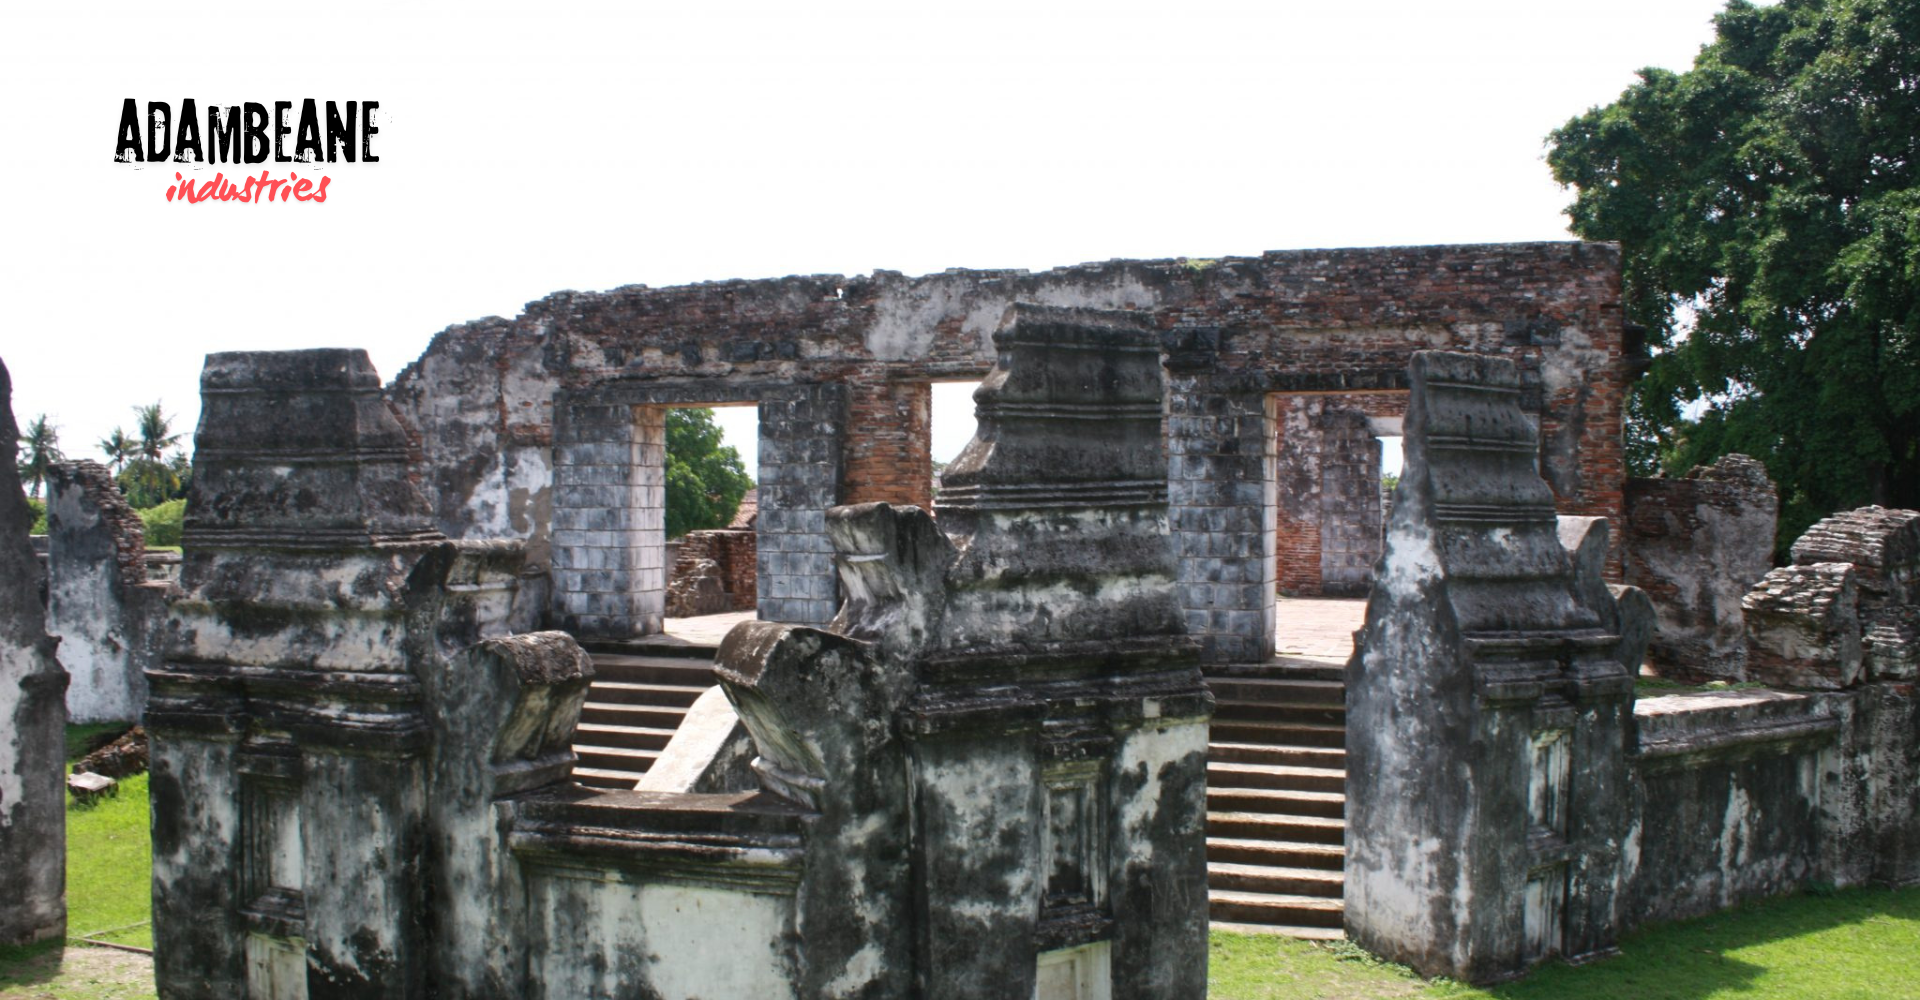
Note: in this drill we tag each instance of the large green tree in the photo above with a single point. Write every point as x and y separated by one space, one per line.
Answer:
705 479
1768 207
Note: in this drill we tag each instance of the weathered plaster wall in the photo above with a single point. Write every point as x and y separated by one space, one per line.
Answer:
110 620
1696 545
33 799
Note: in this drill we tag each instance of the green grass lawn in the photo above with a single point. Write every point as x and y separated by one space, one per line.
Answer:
109 898
1862 943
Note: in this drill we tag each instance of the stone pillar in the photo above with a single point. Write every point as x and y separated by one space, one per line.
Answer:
1060 731
33 714
109 620
1220 498
1488 705
802 442
609 518
287 731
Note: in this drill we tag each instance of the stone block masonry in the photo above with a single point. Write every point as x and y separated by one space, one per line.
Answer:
33 715
609 519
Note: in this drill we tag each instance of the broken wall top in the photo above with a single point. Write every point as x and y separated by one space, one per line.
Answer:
98 490
1883 544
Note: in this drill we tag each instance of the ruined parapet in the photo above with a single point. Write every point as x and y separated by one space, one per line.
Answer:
1493 680
1696 545
33 799
289 736
109 619
1847 610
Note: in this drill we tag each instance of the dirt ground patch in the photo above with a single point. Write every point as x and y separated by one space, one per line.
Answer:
78 973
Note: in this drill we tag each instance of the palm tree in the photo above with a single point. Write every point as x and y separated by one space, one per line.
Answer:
148 480
154 439
40 448
119 448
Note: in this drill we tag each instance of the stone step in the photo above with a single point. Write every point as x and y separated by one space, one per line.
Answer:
1221 774
631 760
603 735
599 777
626 693
1275 853
1277 802
1278 690
679 671
612 713
1319 882
1266 826
651 645
1230 752
1274 908
1282 667
1281 930
1279 733
1279 712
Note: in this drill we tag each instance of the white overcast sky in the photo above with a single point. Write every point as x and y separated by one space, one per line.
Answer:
528 148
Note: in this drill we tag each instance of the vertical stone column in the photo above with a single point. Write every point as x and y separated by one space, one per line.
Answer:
1220 498
1488 705
287 730
1350 536
33 714
802 441
609 518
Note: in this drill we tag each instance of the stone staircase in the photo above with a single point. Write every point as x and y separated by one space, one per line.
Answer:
1276 798
640 693
1276 774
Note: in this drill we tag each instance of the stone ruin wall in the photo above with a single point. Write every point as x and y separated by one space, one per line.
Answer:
1696 544
840 367
1507 802
33 796
100 603
732 552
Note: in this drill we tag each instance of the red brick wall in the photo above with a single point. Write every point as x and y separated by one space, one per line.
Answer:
888 456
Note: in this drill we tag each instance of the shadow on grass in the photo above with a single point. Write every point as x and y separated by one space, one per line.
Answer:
1813 945
30 965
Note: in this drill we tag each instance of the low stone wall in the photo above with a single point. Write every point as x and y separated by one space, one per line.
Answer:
734 554
1748 793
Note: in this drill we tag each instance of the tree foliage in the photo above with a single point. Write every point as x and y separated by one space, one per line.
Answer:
119 449
705 479
1769 212
39 450
151 477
